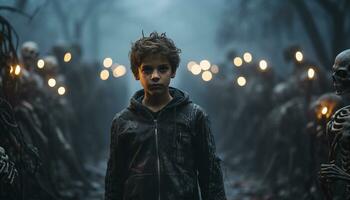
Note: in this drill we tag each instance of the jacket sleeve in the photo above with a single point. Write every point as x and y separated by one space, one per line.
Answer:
113 179
208 163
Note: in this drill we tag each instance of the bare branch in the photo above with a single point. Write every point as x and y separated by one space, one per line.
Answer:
63 18
329 6
312 31
15 10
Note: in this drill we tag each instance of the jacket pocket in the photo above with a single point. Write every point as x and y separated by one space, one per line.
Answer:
140 186
179 187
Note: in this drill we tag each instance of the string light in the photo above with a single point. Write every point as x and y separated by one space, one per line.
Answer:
196 69
241 81
107 62
51 82
205 64
119 71
17 70
190 64
299 56
263 65
67 57
41 63
247 57
61 90
214 69
237 61
104 74
310 73
207 76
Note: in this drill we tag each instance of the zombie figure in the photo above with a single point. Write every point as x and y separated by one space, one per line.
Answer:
335 175
29 54
30 81
320 112
161 145
18 160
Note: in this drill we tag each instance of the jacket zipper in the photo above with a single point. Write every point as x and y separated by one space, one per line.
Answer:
158 161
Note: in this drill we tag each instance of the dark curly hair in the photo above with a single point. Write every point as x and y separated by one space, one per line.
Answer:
154 44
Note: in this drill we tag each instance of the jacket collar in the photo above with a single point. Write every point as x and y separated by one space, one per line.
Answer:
179 98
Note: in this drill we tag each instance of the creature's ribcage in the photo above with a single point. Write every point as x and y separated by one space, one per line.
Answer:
338 129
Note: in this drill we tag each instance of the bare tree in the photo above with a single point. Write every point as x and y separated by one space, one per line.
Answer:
74 15
325 23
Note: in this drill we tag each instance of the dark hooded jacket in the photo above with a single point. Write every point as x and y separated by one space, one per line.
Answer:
164 156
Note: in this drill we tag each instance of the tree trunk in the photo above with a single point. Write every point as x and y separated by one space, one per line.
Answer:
313 32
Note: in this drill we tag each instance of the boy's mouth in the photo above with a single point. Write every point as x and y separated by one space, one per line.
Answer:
156 86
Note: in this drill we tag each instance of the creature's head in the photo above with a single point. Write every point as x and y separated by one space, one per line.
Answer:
29 53
341 73
326 105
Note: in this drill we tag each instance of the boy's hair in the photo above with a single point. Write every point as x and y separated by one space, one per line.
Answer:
154 44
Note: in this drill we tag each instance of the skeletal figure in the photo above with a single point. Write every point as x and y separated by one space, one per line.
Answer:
338 132
29 54
8 172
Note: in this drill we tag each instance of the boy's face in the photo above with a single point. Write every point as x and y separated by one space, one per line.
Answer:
155 74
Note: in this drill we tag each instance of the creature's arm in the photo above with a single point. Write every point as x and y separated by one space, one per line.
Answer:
332 172
208 164
8 172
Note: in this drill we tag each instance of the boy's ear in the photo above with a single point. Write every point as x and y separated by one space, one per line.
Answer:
173 74
137 76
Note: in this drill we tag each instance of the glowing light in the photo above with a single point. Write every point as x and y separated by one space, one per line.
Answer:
247 57
67 57
263 65
196 69
241 81
119 71
11 69
104 74
17 70
107 62
310 73
51 82
61 90
207 76
324 110
237 61
299 56
190 64
41 63
214 69
205 64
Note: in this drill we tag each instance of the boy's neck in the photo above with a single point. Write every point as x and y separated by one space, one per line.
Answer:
156 102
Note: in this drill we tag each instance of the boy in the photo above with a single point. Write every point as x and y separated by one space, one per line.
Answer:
161 145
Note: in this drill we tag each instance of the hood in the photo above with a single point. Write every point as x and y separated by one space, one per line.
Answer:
179 98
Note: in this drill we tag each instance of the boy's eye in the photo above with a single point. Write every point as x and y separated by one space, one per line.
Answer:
163 68
147 70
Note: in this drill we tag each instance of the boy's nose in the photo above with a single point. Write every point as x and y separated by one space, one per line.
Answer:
155 75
